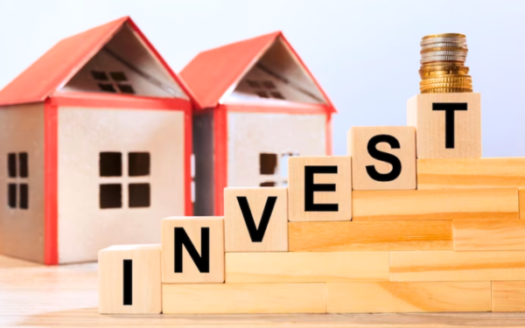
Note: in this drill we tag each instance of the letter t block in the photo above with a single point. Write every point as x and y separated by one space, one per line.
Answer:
448 125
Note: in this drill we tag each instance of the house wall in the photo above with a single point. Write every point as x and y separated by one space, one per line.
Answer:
84 228
204 169
250 134
22 230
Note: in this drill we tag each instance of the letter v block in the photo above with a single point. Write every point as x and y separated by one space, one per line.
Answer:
448 125
256 219
383 157
193 250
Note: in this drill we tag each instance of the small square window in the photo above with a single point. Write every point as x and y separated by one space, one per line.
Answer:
138 164
107 87
111 195
269 85
262 94
139 195
99 75
11 195
277 94
267 184
11 165
23 165
253 84
267 163
118 76
24 196
126 88
110 164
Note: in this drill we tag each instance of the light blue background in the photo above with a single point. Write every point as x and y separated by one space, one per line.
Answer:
364 53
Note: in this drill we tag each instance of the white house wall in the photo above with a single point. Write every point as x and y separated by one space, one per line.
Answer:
22 230
84 228
250 134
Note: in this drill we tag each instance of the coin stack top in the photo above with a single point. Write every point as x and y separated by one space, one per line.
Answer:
443 67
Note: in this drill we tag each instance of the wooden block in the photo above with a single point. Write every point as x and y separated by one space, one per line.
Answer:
471 173
489 235
129 279
448 125
320 188
193 250
307 267
457 266
408 297
370 236
521 196
256 219
508 296
383 157
243 298
429 205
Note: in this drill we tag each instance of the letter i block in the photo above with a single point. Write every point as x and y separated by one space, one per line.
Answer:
383 157
448 125
129 279
193 250
320 188
256 219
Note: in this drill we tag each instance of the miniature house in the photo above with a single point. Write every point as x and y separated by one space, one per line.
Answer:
256 105
95 146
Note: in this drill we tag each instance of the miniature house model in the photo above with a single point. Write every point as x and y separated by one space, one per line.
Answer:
257 105
95 145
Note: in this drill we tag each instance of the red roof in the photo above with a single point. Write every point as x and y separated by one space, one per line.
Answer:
67 57
211 73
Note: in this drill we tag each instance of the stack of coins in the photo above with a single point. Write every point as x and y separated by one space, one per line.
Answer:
443 67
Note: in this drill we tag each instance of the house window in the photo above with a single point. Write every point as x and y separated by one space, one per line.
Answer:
111 190
273 169
17 186
265 89
114 82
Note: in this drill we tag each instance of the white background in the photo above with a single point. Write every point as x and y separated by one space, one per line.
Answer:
365 54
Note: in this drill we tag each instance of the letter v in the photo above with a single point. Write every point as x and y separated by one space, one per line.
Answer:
256 234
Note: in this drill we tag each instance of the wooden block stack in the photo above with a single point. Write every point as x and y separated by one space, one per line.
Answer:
414 220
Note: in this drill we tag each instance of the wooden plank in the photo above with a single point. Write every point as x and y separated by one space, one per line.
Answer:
489 235
427 205
370 236
243 298
307 267
508 296
471 173
408 297
457 266
521 196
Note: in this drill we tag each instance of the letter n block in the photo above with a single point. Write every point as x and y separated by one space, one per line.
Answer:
256 219
320 188
129 279
448 125
193 250
383 157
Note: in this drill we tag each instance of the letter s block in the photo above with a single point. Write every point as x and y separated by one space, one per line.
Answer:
448 125
129 279
320 188
383 157
193 249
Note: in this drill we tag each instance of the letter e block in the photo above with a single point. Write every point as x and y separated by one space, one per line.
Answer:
256 219
320 188
129 279
448 125
193 249
383 157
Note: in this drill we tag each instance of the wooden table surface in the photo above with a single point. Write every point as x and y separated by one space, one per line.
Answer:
66 296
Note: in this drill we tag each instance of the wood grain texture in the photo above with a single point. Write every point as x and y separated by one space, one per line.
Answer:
428 205
489 235
146 284
307 267
521 196
457 266
358 140
193 227
408 297
243 298
370 236
342 196
508 296
430 125
236 233
504 172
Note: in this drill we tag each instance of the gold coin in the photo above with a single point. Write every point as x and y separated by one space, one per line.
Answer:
455 79
447 90
450 72
434 49
445 86
444 35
